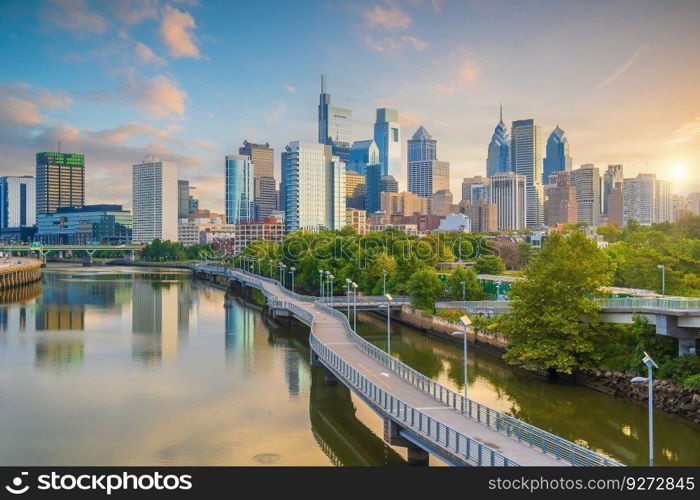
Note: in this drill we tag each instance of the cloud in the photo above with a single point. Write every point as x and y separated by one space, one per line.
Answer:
204 144
407 120
159 96
175 31
290 88
128 131
393 44
275 113
16 111
135 11
74 16
689 132
21 104
442 88
628 64
417 43
146 55
468 72
390 18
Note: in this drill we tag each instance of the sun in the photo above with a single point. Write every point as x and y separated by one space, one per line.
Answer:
678 172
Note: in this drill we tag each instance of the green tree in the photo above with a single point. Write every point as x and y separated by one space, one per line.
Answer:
472 288
424 288
489 264
553 319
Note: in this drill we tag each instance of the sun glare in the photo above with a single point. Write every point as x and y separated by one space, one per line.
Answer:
678 172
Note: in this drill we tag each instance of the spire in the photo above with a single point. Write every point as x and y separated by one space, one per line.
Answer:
501 112
323 84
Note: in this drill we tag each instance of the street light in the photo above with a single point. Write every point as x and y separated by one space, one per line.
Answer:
663 279
348 284
650 381
354 312
389 298
271 275
291 270
384 282
464 292
320 283
461 230
330 283
282 268
326 283
466 322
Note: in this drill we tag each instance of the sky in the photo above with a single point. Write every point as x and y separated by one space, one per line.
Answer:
189 80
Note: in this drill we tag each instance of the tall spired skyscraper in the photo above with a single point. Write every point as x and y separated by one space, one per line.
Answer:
526 160
387 135
334 124
557 159
426 174
498 160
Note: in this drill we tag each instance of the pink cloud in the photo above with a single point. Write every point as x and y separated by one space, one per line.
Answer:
468 72
390 18
146 55
175 31
20 112
74 16
124 133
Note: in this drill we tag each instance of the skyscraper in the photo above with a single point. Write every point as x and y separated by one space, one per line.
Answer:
315 187
355 190
334 123
183 198
265 187
387 135
557 159
475 188
362 154
647 200
612 177
560 206
60 181
240 189
17 202
508 194
498 160
154 193
426 174
616 206
526 160
586 180
388 184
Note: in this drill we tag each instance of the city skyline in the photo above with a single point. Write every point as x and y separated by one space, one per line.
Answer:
150 78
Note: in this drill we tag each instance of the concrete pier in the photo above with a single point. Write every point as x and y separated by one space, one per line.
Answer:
17 271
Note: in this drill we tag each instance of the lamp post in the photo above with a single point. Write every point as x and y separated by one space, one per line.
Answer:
348 284
498 290
271 262
283 266
663 279
291 270
354 312
330 284
325 284
389 298
459 249
649 379
320 283
466 322
384 282
464 292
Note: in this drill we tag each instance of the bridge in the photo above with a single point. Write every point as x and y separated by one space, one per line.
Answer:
43 250
418 413
677 317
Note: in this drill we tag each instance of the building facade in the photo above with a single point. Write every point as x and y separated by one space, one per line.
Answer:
426 174
17 202
87 225
240 189
441 203
357 219
404 203
362 154
616 205
475 188
498 159
60 181
613 175
387 136
526 160
557 157
334 123
264 184
508 194
355 190
647 200
560 206
587 182
154 195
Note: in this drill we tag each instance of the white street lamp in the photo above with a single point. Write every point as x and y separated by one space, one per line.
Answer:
354 313
650 381
466 322
320 283
663 279
291 270
384 273
389 298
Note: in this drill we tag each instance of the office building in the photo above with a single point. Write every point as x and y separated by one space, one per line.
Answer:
17 202
557 158
355 191
387 136
388 184
87 225
264 184
183 198
526 160
508 194
154 195
362 154
560 206
681 207
240 189
441 203
357 219
587 182
498 159
375 184
483 216
334 123
616 206
455 223
403 203
647 200
315 189
426 174
694 201
613 175
60 181
475 188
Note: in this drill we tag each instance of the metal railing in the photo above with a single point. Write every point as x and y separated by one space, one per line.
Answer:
516 429
663 303
476 306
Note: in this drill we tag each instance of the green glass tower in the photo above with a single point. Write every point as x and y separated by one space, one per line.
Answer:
60 181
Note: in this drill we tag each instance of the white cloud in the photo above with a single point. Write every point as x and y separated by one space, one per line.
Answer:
628 64
74 16
389 17
175 29
146 55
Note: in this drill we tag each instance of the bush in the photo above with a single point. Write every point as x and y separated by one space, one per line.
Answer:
692 382
680 369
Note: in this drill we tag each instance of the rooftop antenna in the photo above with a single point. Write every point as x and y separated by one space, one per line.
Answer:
501 111
323 83
59 147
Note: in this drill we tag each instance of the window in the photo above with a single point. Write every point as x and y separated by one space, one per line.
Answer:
395 134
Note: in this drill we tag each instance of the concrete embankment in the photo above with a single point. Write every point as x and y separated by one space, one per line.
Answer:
18 271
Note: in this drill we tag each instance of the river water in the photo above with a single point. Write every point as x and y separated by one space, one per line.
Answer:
136 366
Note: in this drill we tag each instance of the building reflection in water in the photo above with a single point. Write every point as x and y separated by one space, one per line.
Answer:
59 354
239 326
154 319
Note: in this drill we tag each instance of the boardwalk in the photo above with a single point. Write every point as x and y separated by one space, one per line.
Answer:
417 411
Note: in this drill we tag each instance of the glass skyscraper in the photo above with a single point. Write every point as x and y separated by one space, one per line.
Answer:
387 135
60 181
363 153
17 202
334 123
240 189
611 178
426 174
263 157
498 160
557 159
526 160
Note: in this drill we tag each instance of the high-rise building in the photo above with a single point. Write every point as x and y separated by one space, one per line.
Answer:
264 184
426 174
483 216
508 194
681 207
616 213
694 200
387 136
373 188
388 184
586 180
557 159
240 189
441 203
87 225
183 198
154 203
647 200
526 160
60 181
560 205
404 203
610 179
355 192
498 160
362 154
17 202
357 219
315 187
475 188
334 123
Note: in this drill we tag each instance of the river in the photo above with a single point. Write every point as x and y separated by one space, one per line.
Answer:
139 366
